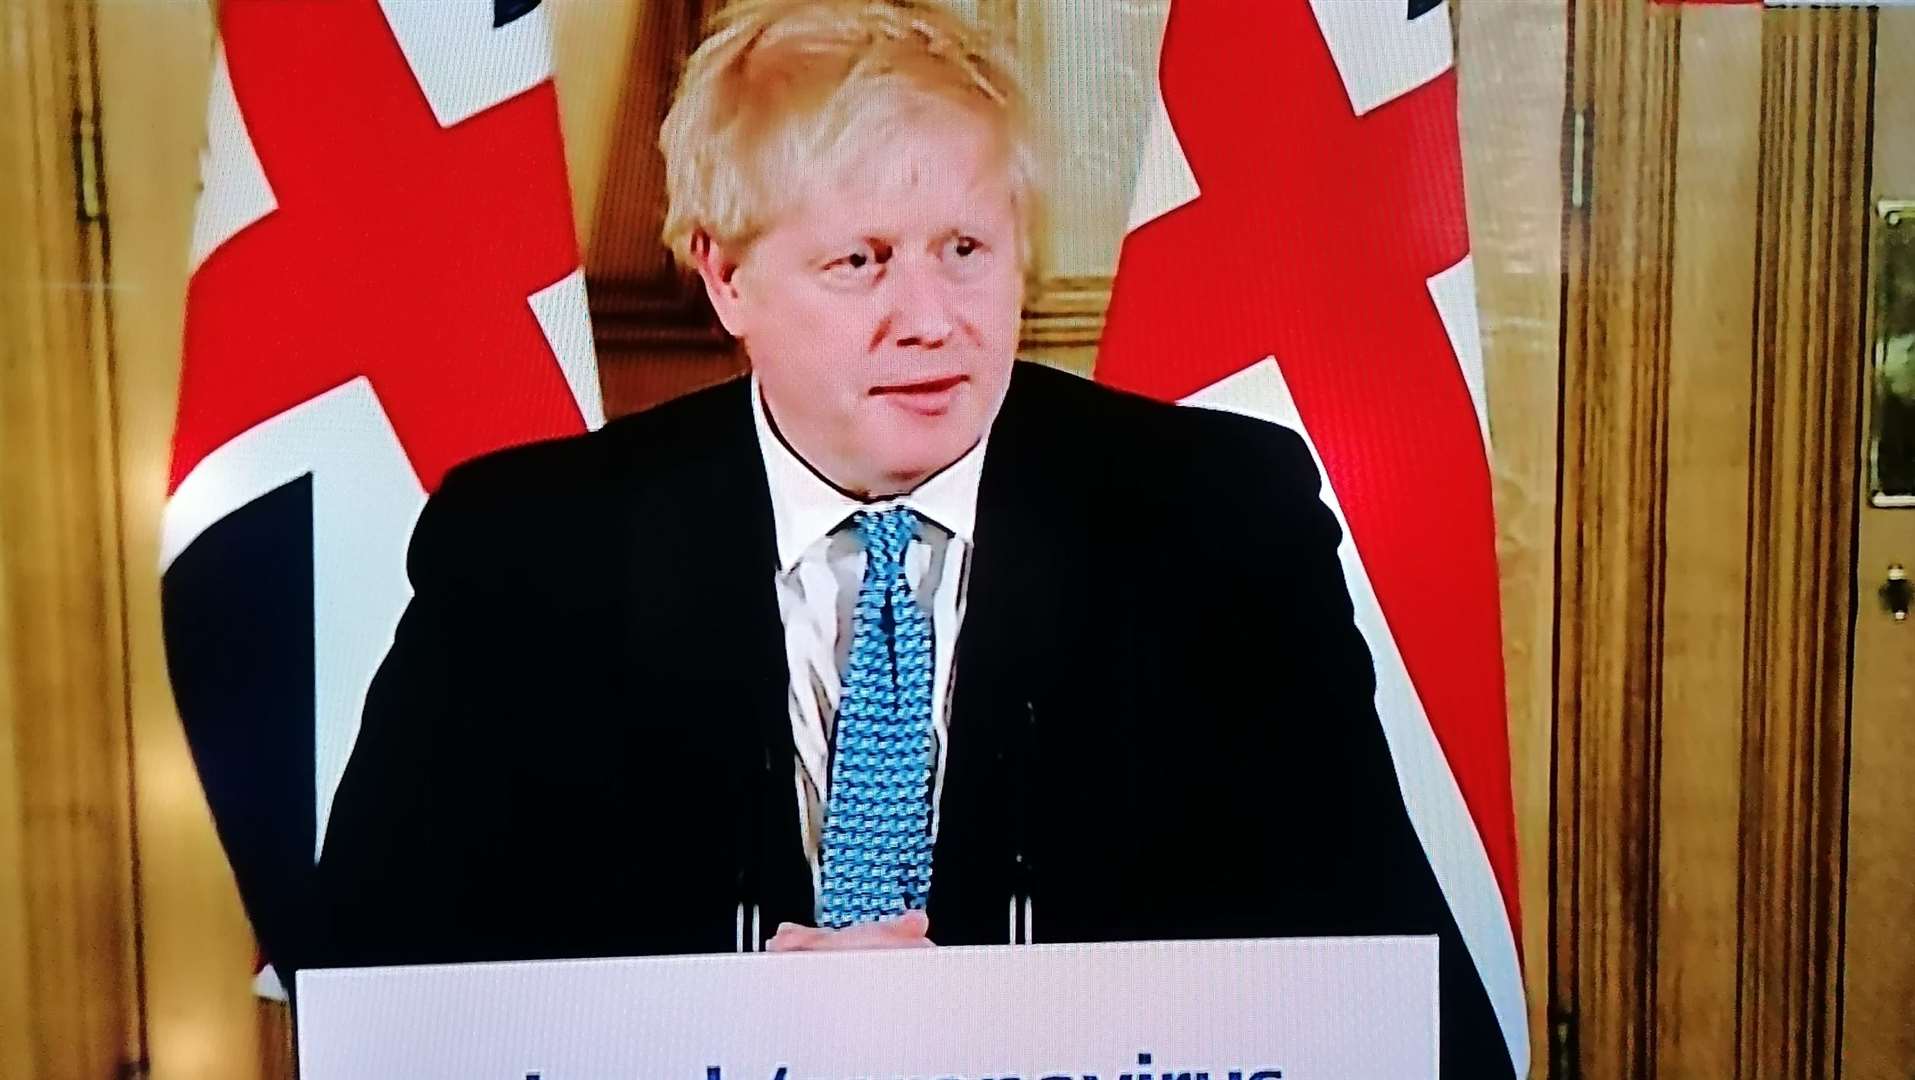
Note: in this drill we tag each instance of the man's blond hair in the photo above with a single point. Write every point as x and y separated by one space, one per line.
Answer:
783 90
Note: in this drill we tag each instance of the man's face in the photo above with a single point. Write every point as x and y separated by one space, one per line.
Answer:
881 314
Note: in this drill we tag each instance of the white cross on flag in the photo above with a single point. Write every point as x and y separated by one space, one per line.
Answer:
385 283
1298 251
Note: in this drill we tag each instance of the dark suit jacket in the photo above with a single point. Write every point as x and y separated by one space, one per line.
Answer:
1162 721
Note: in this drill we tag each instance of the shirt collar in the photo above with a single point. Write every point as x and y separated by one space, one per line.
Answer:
805 507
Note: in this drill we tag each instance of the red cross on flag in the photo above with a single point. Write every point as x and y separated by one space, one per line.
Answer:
1298 251
385 282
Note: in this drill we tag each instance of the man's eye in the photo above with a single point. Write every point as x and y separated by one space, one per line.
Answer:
859 261
965 256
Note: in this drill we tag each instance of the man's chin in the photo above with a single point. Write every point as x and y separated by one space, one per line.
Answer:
902 473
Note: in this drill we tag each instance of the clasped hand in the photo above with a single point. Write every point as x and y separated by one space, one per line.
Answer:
908 931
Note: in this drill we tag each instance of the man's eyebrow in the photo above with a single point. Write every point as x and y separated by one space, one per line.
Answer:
848 238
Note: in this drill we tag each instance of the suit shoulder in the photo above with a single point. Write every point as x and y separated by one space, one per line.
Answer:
1159 442
1251 440
631 448
529 502
1055 397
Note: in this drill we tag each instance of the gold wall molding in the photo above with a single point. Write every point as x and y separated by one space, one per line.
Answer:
1511 68
69 897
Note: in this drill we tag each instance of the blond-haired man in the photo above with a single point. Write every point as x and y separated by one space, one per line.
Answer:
897 641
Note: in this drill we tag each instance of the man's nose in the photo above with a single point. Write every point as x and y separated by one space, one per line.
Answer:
921 315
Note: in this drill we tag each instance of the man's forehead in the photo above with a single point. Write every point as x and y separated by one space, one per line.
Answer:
901 203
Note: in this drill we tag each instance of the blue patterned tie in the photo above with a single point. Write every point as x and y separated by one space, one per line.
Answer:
877 835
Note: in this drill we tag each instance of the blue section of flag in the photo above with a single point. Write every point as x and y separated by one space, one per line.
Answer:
237 607
506 12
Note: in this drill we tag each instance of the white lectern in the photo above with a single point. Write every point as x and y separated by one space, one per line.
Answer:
1303 1009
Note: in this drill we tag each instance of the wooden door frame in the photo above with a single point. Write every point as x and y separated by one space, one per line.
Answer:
1747 829
1874 1031
71 1006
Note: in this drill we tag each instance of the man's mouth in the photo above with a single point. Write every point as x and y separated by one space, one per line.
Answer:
928 397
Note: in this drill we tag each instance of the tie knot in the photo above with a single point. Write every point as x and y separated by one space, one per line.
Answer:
885 536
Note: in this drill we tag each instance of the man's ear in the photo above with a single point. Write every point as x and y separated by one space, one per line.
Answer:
719 273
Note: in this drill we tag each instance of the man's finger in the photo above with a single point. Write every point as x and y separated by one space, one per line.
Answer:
908 931
793 937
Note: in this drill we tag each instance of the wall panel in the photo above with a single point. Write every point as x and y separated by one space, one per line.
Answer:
1511 67
69 970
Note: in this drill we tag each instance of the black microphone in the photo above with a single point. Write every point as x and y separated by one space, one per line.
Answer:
1023 862
749 849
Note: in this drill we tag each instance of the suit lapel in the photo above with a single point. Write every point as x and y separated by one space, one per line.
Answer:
705 616
1030 522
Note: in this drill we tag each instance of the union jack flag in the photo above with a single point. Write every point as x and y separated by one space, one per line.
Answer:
385 283
1298 251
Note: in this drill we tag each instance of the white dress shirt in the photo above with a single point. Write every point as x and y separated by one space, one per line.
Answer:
820 568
